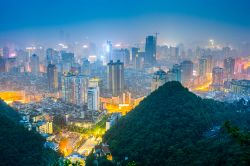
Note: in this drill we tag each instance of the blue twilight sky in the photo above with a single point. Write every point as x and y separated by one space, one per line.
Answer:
125 20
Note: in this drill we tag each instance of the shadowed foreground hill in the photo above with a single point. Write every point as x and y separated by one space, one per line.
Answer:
173 126
18 146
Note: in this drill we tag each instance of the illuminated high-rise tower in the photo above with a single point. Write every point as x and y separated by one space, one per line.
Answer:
217 78
134 53
150 50
93 98
203 67
109 51
115 77
74 89
186 71
52 75
229 64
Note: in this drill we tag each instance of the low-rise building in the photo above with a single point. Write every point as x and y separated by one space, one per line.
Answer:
240 87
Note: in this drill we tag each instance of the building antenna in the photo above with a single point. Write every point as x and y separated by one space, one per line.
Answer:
156 35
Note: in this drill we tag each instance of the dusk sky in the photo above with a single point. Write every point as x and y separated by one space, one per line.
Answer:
125 20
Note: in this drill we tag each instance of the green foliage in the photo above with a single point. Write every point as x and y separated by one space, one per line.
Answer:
98 161
20 146
243 138
67 162
170 127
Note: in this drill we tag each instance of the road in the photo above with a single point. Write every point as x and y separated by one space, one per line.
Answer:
87 146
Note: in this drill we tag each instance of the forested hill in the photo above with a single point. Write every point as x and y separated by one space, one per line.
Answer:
18 146
173 126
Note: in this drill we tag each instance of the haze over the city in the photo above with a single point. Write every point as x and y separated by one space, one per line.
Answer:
127 21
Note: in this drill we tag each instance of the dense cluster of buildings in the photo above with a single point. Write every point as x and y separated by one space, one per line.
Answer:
78 85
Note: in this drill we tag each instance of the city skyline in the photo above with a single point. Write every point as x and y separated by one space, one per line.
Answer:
125 83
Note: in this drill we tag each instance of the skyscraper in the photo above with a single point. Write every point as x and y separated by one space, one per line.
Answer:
186 71
109 51
74 89
68 57
34 64
229 64
81 85
2 65
217 77
150 50
93 98
121 54
85 67
174 53
139 60
134 52
176 70
52 75
115 78
203 67
51 56
6 52
159 78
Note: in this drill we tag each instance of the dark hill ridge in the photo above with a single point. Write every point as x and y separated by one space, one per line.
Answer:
170 127
18 146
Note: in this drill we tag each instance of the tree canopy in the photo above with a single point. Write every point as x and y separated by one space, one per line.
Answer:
20 146
173 126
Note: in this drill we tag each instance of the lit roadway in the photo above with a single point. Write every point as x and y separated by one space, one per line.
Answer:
204 87
87 146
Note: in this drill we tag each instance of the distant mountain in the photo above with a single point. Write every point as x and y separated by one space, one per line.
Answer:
18 146
173 126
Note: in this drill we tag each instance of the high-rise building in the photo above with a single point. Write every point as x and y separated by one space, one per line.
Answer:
203 67
74 89
34 64
6 52
229 64
81 86
159 78
121 54
115 78
139 60
11 65
150 50
68 88
226 51
176 70
209 63
52 75
217 76
93 98
109 51
134 52
174 53
52 56
2 65
68 57
186 71
85 67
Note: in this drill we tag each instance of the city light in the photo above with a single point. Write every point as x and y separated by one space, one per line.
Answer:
122 83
